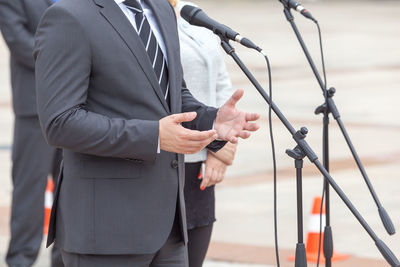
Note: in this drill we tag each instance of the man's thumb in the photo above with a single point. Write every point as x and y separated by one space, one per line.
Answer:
237 95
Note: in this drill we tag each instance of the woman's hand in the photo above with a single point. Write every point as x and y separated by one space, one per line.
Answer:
226 154
214 172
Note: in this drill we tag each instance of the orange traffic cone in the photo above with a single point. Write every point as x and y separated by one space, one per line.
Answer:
312 243
48 202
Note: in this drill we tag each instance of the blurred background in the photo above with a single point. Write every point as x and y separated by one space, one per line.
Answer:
362 53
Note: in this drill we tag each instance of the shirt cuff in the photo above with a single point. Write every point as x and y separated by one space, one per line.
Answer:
213 129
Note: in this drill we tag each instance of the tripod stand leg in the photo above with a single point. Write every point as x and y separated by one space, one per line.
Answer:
328 246
301 258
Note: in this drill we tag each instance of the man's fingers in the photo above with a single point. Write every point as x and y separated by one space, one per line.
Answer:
191 147
184 117
194 146
233 140
251 127
244 134
199 136
252 116
237 95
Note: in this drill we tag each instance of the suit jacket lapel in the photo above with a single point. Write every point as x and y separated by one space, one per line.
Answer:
168 34
114 15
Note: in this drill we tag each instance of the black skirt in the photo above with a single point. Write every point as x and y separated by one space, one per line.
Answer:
200 205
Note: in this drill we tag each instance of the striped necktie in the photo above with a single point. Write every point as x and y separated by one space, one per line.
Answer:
153 49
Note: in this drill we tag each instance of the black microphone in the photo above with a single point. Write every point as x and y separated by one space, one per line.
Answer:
195 16
299 8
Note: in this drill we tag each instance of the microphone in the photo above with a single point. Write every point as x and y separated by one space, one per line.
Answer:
197 17
299 8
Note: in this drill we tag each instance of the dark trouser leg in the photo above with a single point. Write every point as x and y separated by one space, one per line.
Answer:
199 239
56 259
171 256
31 158
200 212
173 253
84 260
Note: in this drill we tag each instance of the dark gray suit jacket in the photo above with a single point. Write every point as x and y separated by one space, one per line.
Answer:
18 22
99 99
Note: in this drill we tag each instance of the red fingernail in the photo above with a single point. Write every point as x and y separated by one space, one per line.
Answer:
202 188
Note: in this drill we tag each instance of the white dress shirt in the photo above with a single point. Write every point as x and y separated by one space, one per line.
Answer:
151 19
154 27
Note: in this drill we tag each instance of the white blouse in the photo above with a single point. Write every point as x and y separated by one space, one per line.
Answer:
204 68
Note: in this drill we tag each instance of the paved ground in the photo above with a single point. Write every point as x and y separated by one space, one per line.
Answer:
361 41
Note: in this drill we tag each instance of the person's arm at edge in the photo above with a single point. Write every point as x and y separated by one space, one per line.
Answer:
13 27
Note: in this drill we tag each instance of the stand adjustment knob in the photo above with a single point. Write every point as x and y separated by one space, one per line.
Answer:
331 91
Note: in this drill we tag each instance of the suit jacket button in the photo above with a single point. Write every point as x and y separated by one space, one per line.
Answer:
174 164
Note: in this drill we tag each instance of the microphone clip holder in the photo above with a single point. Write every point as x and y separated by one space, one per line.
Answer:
329 106
228 48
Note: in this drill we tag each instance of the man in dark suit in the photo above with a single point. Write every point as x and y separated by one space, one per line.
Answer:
111 94
32 157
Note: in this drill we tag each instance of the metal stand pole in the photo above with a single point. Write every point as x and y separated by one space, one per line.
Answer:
328 238
298 155
330 107
299 139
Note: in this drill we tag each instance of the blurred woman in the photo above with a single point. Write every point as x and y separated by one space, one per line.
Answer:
208 80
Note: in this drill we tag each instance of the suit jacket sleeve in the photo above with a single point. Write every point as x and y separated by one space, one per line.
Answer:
63 69
205 114
205 117
17 36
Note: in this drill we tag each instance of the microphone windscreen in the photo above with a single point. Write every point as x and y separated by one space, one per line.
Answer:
188 11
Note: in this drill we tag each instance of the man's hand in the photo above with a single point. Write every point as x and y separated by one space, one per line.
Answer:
214 173
232 123
177 139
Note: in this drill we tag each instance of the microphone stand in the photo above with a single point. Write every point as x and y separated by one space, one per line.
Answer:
298 155
299 138
328 107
